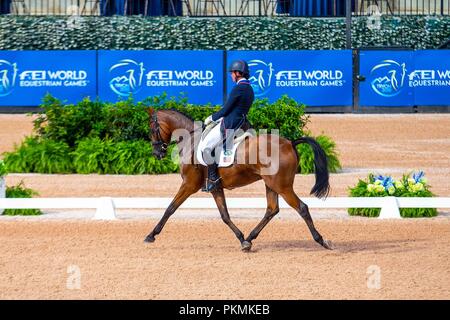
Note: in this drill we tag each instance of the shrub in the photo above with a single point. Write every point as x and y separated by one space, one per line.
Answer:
411 185
124 121
284 114
3 170
40 156
306 155
93 155
20 191
70 123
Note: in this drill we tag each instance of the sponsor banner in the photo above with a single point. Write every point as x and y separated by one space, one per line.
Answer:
27 76
430 79
198 75
315 78
386 82
405 78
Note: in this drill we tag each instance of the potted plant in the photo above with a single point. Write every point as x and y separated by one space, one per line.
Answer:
410 185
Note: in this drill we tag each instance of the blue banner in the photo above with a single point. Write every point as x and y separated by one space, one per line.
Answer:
405 78
315 78
27 76
196 74
430 79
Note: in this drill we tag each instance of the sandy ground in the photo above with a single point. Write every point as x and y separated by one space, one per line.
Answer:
199 258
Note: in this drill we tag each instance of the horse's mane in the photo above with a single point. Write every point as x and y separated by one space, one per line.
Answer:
179 112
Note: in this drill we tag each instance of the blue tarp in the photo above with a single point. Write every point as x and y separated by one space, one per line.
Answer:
5 6
313 8
155 7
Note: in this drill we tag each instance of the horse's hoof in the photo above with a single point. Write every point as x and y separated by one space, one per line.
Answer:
327 244
246 246
149 239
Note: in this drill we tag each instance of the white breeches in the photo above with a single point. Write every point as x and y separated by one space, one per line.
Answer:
212 139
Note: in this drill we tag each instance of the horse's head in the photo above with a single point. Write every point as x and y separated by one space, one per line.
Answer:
165 125
159 133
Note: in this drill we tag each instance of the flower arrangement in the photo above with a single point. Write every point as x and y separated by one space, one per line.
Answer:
2 168
413 184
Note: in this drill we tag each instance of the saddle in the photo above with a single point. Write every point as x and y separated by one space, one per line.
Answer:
241 135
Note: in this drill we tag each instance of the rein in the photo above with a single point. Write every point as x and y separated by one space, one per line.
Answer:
156 131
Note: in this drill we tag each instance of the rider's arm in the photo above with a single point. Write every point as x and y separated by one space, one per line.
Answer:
229 105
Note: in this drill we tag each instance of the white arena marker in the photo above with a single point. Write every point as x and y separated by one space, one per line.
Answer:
105 209
390 209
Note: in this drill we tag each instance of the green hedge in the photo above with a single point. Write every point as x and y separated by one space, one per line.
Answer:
113 138
257 33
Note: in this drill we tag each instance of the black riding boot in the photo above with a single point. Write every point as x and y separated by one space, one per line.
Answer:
213 181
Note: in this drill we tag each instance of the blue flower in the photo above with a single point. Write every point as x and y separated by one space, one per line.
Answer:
386 182
418 176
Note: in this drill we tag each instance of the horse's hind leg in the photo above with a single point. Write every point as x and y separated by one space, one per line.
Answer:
301 207
272 210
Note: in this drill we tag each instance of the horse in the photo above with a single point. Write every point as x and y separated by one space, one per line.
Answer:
163 122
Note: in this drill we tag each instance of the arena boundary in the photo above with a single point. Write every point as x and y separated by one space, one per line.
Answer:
106 206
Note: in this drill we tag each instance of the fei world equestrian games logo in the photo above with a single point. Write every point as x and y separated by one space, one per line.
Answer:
389 78
264 77
129 77
8 75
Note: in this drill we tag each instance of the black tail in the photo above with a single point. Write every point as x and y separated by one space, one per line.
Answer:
322 186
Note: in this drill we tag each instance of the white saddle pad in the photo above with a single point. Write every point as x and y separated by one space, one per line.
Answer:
222 162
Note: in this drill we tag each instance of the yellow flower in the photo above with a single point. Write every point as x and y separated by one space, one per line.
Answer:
398 184
391 190
370 187
418 186
377 182
411 181
379 188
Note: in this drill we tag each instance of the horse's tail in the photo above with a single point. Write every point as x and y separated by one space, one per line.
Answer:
322 186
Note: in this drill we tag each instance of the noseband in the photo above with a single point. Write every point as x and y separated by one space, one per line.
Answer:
156 131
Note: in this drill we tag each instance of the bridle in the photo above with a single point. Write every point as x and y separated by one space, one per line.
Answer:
156 131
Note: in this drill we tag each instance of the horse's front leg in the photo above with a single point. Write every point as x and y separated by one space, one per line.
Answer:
183 193
219 197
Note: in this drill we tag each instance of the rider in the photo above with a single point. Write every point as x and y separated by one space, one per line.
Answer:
231 117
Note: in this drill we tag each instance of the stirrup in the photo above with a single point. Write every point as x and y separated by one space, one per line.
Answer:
211 185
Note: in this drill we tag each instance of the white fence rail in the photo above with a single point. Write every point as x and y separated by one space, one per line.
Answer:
105 206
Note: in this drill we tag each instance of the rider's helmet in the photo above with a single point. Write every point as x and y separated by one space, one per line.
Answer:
240 66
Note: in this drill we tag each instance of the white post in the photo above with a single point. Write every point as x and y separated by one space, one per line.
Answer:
2 190
390 209
105 209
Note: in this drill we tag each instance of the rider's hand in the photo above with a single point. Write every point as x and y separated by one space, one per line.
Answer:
208 120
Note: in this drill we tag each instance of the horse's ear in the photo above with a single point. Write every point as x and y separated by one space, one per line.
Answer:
150 111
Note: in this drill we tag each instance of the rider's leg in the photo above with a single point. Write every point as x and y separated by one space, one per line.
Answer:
227 138
211 155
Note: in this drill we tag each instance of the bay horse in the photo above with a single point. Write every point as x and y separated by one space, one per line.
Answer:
164 122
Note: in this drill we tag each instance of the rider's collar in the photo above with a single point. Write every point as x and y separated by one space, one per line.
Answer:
243 81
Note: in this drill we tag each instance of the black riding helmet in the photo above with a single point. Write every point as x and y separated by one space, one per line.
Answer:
241 66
